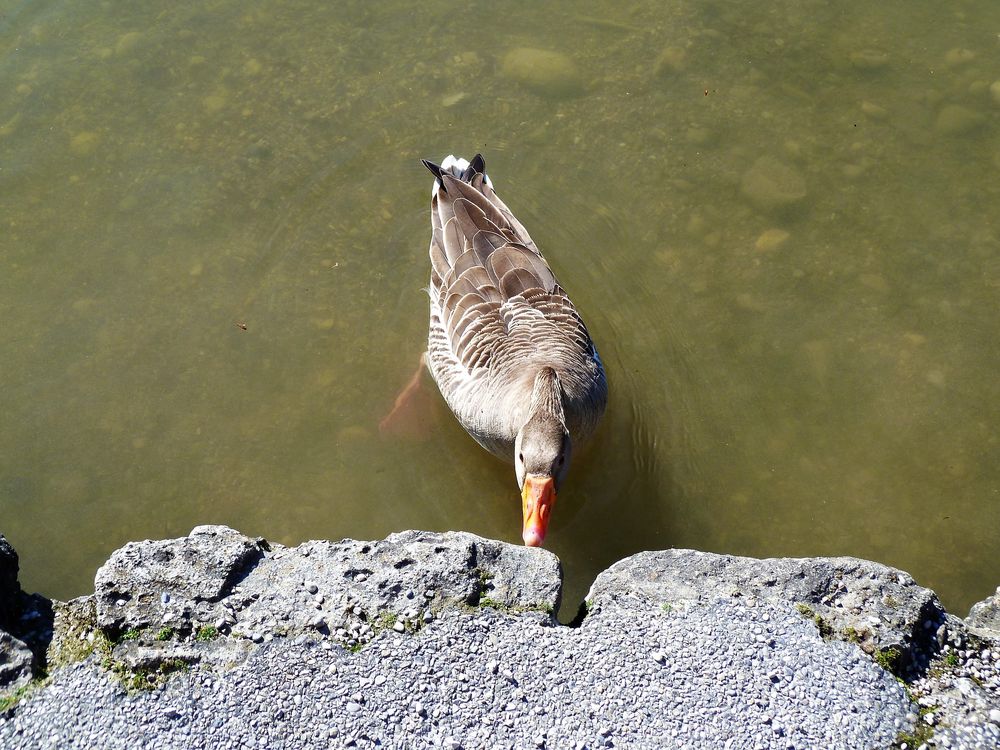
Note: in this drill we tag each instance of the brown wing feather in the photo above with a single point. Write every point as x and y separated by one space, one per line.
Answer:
481 258
452 240
510 257
516 282
464 310
463 191
439 263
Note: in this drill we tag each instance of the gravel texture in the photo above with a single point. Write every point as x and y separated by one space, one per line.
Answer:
881 609
718 675
220 640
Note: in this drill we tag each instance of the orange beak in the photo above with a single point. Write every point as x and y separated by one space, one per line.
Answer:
537 499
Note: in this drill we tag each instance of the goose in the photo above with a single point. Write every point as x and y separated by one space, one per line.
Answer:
506 346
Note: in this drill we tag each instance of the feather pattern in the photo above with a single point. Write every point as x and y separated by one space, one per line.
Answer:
498 316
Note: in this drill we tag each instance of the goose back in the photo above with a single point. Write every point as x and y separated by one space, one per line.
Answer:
498 315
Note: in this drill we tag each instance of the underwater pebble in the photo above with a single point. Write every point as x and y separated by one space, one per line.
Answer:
874 111
958 56
127 42
771 240
773 185
452 99
543 71
213 102
671 60
84 143
699 136
955 119
995 92
869 59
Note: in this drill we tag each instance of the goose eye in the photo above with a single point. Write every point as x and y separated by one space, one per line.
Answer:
520 457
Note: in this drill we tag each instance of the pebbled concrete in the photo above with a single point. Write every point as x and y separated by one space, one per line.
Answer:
449 640
879 608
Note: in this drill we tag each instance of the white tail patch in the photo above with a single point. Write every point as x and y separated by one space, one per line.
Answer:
456 165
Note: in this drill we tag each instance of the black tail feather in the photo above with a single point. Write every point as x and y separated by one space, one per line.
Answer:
435 170
476 166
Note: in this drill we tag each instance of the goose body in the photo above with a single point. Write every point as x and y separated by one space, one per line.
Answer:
506 346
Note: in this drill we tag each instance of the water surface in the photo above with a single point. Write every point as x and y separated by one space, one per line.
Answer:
213 234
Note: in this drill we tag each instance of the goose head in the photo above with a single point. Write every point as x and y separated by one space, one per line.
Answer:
542 451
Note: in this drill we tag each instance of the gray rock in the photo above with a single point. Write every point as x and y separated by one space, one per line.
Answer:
543 71
771 185
732 656
137 656
363 582
16 662
198 569
25 623
984 617
877 607
218 581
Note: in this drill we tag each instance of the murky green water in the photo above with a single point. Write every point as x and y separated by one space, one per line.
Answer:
803 354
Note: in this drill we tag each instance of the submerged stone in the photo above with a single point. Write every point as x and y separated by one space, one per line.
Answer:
771 240
671 60
127 42
773 185
84 143
543 71
869 59
874 111
954 119
958 56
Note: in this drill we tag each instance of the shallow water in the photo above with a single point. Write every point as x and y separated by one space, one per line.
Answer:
213 235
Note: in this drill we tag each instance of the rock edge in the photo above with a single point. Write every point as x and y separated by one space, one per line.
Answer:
210 598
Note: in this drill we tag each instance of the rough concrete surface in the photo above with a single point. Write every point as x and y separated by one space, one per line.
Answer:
449 640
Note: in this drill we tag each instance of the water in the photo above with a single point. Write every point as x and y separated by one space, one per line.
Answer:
213 232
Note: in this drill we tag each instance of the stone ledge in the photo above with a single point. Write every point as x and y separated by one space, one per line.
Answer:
211 597
881 609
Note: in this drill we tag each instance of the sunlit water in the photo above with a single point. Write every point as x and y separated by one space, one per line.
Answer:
213 239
